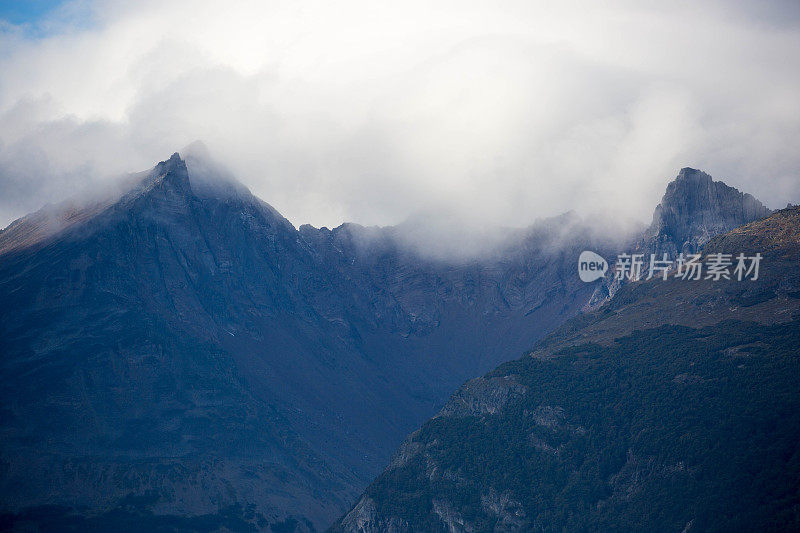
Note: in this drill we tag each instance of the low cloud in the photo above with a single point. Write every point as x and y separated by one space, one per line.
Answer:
364 112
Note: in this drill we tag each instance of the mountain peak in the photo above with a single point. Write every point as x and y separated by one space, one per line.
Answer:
692 174
167 178
175 167
695 208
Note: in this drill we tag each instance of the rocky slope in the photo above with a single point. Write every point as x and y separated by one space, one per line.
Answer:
673 407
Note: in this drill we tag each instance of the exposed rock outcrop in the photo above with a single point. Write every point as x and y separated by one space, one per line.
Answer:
696 208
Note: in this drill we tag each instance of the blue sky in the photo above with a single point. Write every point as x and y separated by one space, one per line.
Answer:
21 12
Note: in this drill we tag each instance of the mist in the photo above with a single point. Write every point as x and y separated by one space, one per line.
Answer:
372 113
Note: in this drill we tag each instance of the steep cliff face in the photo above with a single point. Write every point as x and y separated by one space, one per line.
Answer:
673 407
696 208
179 351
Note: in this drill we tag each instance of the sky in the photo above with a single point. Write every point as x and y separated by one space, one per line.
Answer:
373 112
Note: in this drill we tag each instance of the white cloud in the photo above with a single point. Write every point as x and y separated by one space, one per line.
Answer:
370 111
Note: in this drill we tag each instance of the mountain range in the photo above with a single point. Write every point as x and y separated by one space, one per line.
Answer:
176 354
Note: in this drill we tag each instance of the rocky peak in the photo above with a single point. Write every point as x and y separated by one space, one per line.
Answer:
694 209
167 190
167 176
692 174
174 163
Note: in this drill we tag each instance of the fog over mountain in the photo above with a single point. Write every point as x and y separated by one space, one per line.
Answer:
255 257
370 112
175 350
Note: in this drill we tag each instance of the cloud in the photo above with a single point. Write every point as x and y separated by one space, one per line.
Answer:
372 111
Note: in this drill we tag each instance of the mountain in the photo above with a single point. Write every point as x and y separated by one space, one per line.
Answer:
696 208
673 407
176 354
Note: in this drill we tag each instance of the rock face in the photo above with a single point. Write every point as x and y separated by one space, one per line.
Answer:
696 208
630 418
179 353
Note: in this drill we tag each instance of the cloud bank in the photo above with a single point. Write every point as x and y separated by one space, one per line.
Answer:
373 111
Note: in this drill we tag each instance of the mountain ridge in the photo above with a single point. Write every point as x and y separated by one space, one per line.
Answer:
191 300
